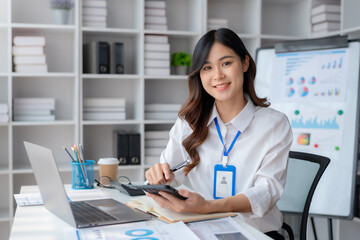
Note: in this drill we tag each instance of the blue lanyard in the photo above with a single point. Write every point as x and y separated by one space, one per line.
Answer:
226 153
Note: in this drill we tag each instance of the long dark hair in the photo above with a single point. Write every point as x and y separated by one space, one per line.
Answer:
197 109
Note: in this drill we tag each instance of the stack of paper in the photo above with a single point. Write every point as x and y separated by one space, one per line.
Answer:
34 109
28 54
325 16
216 23
4 112
94 13
155 15
155 143
162 111
157 55
104 109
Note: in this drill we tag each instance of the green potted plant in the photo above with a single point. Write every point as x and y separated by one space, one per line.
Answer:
181 62
61 9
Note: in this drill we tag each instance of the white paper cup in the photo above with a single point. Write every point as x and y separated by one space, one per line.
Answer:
108 168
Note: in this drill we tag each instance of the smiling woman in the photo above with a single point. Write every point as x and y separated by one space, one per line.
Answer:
238 146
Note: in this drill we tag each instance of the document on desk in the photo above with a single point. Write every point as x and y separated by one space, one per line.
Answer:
30 198
139 230
223 228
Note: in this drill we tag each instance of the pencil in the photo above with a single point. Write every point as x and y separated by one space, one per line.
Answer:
72 159
83 158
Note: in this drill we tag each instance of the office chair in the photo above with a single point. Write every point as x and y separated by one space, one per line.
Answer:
304 173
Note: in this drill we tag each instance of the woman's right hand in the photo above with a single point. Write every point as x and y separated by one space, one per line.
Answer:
160 174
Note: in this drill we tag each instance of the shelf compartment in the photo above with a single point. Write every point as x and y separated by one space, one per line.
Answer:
124 14
42 13
4 149
5 228
54 39
94 148
52 137
3 89
288 18
350 15
4 202
169 91
63 89
132 52
4 50
130 89
184 15
242 16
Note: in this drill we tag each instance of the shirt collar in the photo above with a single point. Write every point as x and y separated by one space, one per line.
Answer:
243 119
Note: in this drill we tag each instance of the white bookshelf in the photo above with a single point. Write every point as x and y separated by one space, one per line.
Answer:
258 22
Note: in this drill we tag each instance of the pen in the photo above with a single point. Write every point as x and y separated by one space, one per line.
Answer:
175 168
81 152
69 154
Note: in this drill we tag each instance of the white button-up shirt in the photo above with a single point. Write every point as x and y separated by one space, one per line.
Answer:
260 156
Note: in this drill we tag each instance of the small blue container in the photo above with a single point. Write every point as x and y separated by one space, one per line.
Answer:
82 175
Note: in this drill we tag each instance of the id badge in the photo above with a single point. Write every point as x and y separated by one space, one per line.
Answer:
224 181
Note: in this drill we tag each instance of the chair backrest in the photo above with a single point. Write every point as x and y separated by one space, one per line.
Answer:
304 173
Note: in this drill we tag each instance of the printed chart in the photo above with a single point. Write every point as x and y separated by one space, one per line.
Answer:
309 76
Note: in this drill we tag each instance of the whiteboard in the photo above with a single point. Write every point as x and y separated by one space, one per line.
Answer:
318 91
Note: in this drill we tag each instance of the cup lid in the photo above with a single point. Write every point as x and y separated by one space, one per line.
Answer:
108 161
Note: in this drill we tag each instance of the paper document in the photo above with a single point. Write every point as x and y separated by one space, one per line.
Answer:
34 198
139 230
224 229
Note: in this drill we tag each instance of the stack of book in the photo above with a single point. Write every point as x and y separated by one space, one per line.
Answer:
216 23
325 16
96 109
28 54
4 112
155 15
34 109
157 55
161 111
94 13
155 143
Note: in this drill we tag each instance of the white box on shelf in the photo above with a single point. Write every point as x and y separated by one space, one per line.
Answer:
22 50
94 3
155 4
29 59
165 47
156 135
155 12
329 8
94 11
326 17
157 71
156 38
29 40
31 68
157 63
156 26
157 55
326 27
155 20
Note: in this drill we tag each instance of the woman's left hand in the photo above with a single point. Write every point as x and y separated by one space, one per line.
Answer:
194 203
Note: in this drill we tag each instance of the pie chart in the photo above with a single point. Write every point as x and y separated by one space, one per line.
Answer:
303 92
290 92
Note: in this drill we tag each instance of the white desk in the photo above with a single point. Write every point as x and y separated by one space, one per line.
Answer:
36 222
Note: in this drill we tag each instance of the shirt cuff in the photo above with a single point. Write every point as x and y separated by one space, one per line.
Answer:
259 199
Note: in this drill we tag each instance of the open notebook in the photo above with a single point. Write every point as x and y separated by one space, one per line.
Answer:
148 205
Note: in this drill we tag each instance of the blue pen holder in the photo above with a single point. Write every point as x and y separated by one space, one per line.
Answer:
82 175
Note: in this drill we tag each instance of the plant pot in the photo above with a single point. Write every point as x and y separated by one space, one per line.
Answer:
181 70
61 16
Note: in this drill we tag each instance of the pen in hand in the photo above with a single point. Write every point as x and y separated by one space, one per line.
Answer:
175 168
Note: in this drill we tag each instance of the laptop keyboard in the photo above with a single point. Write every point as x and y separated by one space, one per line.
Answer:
85 213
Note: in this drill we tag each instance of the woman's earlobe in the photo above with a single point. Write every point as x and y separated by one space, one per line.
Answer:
246 63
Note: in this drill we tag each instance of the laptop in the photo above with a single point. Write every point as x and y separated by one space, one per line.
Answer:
79 214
